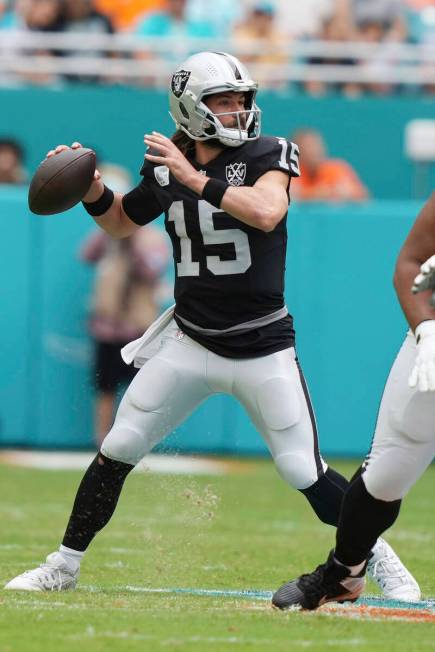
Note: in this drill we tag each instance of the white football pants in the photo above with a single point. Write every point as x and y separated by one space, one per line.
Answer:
404 441
183 373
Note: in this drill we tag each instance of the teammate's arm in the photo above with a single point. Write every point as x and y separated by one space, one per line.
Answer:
262 206
420 314
418 247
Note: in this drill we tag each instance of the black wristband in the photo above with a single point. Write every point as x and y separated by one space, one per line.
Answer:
102 205
214 190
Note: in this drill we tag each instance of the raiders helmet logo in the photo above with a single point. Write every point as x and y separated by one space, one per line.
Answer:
179 81
236 173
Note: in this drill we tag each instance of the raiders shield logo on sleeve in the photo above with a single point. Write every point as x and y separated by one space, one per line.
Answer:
236 173
179 81
161 173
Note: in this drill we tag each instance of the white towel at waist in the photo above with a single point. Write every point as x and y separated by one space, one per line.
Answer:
148 344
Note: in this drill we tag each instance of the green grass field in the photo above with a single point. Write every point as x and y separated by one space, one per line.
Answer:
234 532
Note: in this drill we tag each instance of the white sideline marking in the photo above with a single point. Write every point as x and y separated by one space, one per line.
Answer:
92 633
171 464
406 535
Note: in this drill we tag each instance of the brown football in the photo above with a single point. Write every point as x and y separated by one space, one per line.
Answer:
61 181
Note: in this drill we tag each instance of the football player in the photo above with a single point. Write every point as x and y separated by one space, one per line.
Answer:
404 439
224 190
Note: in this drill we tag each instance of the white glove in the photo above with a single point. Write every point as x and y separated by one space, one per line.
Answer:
426 279
423 374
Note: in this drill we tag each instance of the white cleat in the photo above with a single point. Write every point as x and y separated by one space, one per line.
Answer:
394 580
53 575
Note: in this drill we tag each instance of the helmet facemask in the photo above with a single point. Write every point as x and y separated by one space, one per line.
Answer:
247 127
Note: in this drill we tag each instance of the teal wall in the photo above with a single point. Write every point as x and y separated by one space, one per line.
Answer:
346 314
368 132
349 326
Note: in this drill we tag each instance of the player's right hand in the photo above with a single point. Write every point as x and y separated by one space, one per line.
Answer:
423 374
60 148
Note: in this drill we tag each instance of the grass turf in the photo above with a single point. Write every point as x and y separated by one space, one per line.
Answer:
241 531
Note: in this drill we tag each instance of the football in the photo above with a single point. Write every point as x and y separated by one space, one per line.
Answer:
61 181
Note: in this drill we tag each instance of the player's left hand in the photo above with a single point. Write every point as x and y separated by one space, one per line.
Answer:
423 374
426 279
171 156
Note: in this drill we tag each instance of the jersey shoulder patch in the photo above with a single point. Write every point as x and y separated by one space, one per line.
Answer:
161 175
274 153
155 172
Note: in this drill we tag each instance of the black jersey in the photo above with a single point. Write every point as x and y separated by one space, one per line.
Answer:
227 273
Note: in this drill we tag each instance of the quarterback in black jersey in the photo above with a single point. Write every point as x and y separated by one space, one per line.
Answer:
224 190
229 272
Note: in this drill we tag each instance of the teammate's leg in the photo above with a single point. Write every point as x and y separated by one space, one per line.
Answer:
403 447
155 402
275 394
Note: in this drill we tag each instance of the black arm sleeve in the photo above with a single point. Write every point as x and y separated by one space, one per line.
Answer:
146 202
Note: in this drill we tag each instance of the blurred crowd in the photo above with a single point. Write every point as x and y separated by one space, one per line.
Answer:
262 31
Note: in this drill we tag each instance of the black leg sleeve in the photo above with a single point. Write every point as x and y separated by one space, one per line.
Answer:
326 495
363 519
95 502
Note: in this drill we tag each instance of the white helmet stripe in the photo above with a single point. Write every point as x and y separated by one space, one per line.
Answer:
232 64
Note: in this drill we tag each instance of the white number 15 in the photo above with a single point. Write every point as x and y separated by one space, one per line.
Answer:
211 236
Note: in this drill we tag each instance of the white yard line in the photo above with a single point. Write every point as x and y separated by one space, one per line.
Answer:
166 464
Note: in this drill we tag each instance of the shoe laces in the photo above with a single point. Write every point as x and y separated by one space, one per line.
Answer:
388 573
49 576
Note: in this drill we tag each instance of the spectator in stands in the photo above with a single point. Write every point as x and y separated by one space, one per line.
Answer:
124 304
81 16
44 16
174 24
34 16
265 42
8 17
124 13
303 19
388 13
420 15
376 35
334 29
222 15
322 178
11 162
381 25
173 21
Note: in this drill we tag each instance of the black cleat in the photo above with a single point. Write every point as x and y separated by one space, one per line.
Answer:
330 582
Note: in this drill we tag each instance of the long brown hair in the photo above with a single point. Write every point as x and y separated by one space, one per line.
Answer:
185 144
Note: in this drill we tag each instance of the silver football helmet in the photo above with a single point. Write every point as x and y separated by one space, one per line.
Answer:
207 73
